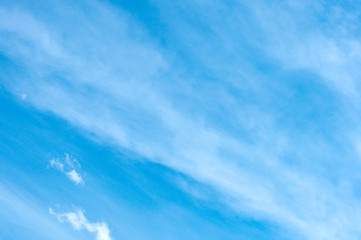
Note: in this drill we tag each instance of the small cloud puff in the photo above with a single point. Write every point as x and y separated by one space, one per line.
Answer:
68 168
79 221
57 164
75 177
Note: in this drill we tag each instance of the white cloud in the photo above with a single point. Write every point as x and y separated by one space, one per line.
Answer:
114 88
79 222
75 177
57 164
68 168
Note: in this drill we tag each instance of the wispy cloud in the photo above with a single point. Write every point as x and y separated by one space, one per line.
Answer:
67 167
79 222
240 127
57 164
316 36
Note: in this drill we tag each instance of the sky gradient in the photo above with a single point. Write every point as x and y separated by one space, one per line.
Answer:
185 119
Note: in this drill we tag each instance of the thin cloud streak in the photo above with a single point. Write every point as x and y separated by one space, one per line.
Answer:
115 92
19 208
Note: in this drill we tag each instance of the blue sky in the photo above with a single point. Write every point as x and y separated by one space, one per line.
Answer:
180 119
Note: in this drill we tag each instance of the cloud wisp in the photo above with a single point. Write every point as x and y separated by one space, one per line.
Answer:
79 222
68 168
106 76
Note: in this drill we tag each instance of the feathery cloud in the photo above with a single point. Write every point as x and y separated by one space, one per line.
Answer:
79 222
67 167
232 133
